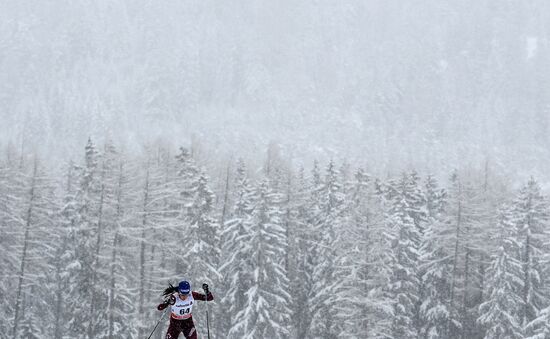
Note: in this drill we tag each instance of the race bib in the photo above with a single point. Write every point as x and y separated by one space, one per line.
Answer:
182 309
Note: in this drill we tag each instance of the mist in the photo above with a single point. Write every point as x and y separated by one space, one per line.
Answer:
331 169
434 85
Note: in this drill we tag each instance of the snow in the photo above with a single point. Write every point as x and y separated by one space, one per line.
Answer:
358 169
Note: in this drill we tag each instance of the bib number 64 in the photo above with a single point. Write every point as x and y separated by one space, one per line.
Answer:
184 311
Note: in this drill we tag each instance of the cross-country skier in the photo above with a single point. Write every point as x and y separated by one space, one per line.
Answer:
181 300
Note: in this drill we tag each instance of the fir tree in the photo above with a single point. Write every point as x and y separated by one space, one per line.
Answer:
237 268
531 215
298 268
404 286
500 313
86 200
539 328
436 267
185 183
118 270
296 202
266 312
469 220
325 220
36 223
153 225
65 260
105 219
362 308
12 193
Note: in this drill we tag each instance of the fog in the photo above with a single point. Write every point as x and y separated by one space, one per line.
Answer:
331 169
387 84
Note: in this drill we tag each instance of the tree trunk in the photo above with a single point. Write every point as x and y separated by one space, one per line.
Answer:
116 243
95 266
142 252
28 223
456 255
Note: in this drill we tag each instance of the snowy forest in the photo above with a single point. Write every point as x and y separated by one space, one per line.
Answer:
332 169
332 252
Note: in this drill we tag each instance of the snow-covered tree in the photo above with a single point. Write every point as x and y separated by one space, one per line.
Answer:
86 201
539 328
185 182
470 222
436 267
105 219
151 229
32 274
12 192
325 221
500 314
266 313
403 288
532 218
337 253
298 264
64 281
118 271
203 234
237 268
362 308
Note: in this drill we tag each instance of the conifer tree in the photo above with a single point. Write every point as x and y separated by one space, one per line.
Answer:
163 220
404 286
266 312
500 313
185 183
121 265
531 213
469 221
539 328
436 267
203 233
237 268
12 192
36 221
326 218
86 201
151 229
362 307
30 329
298 236
105 219
65 260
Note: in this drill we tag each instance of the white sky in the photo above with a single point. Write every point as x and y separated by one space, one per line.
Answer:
390 84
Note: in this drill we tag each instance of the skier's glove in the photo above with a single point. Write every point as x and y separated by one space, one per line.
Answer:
171 300
205 288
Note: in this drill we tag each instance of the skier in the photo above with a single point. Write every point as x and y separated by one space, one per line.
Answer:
181 301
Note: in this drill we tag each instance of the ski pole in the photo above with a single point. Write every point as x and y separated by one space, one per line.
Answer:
158 322
205 288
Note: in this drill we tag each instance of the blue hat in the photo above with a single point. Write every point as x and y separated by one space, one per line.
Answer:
184 287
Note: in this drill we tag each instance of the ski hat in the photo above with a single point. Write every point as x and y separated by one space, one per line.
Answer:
184 287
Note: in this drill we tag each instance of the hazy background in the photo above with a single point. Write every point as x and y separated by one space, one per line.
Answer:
388 84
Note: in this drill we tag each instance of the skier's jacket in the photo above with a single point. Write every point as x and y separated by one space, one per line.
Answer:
182 309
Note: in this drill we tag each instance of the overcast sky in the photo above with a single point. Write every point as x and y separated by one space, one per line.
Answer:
390 84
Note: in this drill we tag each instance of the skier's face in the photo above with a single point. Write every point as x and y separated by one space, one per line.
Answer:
183 295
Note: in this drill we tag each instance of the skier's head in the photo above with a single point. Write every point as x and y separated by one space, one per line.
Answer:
184 287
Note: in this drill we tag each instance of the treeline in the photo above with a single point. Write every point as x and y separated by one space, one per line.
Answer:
329 252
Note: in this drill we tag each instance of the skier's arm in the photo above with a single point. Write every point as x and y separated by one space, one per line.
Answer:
201 296
170 301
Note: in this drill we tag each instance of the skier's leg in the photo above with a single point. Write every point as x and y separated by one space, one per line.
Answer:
173 330
192 334
189 330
